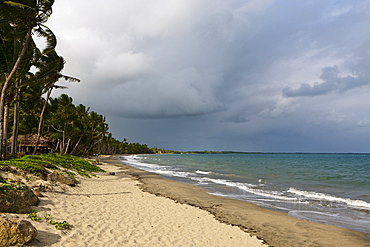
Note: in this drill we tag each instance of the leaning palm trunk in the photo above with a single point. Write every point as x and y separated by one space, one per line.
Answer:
6 121
67 146
57 146
13 145
6 86
75 147
15 129
63 143
91 147
39 129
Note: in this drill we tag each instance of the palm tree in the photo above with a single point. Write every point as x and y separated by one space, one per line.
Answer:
9 46
62 121
13 145
50 66
24 17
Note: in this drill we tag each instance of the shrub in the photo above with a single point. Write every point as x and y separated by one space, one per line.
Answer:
36 164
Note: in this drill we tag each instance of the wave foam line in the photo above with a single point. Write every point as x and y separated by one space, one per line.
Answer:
202 172
137 161
322 196
246 187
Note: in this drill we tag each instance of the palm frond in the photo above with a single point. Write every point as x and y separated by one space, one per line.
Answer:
70 79
18 5
51 40
60 87
45 5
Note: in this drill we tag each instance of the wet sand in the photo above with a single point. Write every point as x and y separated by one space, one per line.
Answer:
275 228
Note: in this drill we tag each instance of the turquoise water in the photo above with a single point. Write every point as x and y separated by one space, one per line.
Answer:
326 188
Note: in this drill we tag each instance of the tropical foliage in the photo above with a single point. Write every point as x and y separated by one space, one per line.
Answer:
38 164
75 129
27 73
20 20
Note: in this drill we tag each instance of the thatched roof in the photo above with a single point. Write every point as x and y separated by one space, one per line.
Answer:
30 140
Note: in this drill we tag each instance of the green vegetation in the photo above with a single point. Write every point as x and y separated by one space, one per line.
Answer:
60 225
66 161
76 130
47 217
33 215
29 166
20 21
11 186
28 74
37 164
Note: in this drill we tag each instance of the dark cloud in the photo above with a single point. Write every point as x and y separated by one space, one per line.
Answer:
209 74
332 82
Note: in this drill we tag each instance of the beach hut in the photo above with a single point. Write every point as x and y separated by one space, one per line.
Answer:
26 144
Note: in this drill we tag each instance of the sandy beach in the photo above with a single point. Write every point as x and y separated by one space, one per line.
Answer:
111 210
137 208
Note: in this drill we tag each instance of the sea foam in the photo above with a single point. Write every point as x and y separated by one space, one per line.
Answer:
330 198
249 188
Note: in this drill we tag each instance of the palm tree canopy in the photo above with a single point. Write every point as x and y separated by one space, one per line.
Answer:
23 15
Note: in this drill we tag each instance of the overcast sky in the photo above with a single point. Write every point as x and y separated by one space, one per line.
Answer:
242 75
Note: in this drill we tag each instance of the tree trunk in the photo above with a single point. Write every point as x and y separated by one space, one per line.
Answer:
57 146
75 147
6 86
39 129
94 144
15 124
62 144
15 129
67 146
5 137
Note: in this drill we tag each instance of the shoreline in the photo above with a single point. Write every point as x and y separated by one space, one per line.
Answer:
274 227
110 209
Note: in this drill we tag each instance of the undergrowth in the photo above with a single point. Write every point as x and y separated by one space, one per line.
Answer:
37 164
58 225
35 168
33 215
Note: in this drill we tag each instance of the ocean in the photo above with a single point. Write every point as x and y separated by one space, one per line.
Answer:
331 189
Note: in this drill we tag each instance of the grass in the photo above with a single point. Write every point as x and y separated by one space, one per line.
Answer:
35 168
37 164
68 162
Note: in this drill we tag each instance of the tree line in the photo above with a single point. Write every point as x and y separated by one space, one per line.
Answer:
28 74
74 129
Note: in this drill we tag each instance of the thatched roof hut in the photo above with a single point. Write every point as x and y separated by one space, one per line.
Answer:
30 140
26 144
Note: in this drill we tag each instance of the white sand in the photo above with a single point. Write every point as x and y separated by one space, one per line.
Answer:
113 211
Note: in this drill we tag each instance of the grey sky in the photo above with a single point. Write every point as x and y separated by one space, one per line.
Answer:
257 75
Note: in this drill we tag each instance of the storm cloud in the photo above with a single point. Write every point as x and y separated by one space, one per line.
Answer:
331 82
255 75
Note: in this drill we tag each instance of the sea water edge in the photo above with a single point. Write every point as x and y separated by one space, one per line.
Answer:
332 189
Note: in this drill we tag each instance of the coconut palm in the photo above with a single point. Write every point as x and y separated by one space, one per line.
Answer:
10 45
22 18
49 73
